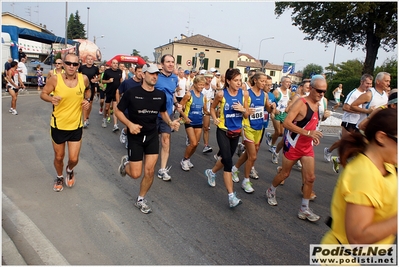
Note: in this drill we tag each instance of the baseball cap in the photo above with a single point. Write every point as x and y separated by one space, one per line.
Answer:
202 72
217 73
393 98
151 68
186 72
213 70
208 74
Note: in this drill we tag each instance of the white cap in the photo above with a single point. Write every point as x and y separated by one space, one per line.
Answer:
213 70
202 72
151 68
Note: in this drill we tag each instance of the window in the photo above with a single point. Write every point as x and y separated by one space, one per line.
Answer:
205 63
231 64
195 48
178 59
217 51
207 50
272 73
194 62
217 63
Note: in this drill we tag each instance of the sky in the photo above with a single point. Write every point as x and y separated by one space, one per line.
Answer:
145 25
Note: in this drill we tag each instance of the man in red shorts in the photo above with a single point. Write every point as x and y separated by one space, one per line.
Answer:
299 138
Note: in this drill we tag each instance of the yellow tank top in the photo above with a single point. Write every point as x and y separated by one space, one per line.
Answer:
67 115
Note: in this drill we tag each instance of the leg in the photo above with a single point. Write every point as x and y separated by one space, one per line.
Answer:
206 124
59 153
308 176
149 170
73 153
165 143
285 171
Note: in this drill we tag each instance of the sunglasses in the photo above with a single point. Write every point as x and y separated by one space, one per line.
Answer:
394 138
58 63
68 63
319 90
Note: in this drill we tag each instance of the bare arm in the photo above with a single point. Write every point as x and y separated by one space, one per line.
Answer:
218 98
364 98
360 228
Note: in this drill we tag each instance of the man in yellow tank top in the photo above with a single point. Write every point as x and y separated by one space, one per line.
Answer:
70 95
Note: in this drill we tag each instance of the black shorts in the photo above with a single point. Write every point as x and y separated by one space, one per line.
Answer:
178 98
110 96
9 87
192 126
102 94
350 127
62 136
139 144
93 91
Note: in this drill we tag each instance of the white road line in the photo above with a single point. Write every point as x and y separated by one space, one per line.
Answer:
43 247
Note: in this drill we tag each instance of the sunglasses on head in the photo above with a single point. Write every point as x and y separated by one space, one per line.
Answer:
68 63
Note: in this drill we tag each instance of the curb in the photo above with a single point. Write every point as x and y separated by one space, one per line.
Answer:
10 253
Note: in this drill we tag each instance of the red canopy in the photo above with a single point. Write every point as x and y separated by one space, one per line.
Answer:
126 58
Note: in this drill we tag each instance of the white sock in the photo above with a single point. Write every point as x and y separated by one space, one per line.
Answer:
139 198
273 189
231 194
305 204
68 170
234 169
245 180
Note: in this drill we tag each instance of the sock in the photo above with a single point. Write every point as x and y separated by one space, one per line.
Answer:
245 180
234 169
60 176
273 189
139 198
69 170
253 168
185 158
305 204
231 194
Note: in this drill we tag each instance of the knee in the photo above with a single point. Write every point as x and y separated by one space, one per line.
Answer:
285 173
309 179
73 161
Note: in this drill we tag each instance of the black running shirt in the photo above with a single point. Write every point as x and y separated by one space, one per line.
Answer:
143 107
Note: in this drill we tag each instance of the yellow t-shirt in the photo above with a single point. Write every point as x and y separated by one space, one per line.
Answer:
362 183
67 115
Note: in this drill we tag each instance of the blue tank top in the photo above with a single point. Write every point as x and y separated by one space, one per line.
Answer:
230 118
255 121
193 108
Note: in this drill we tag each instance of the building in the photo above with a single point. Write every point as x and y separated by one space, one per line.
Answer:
199 52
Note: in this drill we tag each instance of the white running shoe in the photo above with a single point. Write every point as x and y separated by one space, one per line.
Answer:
327 154
184 165
247 186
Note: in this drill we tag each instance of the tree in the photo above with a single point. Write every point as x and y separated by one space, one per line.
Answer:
75 29
390 66
135 53
347 70
310 70
366 25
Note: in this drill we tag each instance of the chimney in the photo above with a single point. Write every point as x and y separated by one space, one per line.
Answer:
175 39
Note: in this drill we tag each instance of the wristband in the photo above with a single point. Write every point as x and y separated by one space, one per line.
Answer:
308 133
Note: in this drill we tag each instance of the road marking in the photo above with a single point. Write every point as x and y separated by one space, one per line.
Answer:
43 247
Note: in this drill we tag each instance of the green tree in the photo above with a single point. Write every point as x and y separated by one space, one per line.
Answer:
310 70
75 29
390 66
347 70
135 53
366 25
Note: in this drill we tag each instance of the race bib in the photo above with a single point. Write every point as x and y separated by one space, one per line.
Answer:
259 114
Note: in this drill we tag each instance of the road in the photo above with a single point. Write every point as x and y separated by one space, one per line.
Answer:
96 222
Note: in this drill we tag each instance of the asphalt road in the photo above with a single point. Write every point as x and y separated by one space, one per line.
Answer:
96 222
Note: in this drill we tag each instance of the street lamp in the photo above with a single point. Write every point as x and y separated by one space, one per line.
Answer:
94 39
283 63
88 14
298 61
260 43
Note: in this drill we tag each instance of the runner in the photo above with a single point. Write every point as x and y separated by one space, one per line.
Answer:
233 103
144 104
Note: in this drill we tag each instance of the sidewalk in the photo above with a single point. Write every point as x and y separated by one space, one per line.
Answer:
10 254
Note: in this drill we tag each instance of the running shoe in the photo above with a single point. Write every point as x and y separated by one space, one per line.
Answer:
184 165
104 124
234 201
327 154
247 186
240 149
100 111
268 138
207 149
109 119
275 158
271 198
190 164
85 124
335 161
122 136
298 165
216 157
234 176
308 214
58 184
116 128
272 149
10 110
211 177
142 206
126 144
122 167
164 175
14 112
253 174
70 178
111 112
187 141
87 121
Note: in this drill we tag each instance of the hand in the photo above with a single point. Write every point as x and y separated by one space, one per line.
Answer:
55 100
175 125
187 121
85 104
134 128
315 134
216 122
316 141
111 80
326 114
238 107
251 111
179 107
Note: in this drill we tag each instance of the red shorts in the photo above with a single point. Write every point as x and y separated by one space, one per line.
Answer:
293 153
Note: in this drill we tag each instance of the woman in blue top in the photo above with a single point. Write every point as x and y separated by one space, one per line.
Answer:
194 108
233 107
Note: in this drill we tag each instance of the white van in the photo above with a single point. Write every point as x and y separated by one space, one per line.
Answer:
5 48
